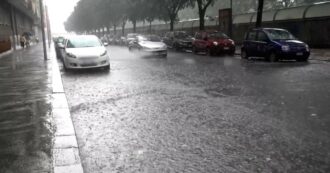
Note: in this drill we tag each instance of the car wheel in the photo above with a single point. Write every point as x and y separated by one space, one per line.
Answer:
209 52
232 53
66 69
194 49
273 57
244 54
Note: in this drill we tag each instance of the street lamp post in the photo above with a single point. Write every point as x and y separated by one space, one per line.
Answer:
231 19
43 28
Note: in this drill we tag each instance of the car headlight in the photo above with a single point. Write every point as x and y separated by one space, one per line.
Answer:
285 48
307 48
103 54
71 55
232 42
215 43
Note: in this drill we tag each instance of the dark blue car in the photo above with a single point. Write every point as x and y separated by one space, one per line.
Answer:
273 44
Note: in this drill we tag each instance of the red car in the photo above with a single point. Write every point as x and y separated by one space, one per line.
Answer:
213 43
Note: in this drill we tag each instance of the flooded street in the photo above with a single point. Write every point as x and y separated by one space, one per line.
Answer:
25 120
194 113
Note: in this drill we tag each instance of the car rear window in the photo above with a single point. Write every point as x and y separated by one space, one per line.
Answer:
251 35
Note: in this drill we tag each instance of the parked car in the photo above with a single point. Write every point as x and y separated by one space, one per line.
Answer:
273 44
179 40
58 42
149 44
130 37
83 52
213 43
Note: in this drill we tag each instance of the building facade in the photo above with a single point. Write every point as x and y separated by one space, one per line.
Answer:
17 17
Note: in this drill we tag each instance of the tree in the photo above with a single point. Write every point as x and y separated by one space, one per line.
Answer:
259 12
169 9
202 7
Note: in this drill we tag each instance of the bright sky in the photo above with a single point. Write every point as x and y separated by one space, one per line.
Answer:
59 11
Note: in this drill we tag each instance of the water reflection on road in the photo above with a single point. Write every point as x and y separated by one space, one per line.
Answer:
192 113
25 124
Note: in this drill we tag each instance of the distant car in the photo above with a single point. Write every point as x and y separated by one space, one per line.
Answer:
84 52
179 40
273 44
149 44
213 43
130 37
58 42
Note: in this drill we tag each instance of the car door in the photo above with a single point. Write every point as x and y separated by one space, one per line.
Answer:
250 43
197 41
262 44
203 41
167 39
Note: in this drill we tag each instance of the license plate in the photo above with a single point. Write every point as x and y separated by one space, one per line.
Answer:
226 48
300 54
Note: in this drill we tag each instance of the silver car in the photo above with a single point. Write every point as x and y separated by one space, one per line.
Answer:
149 45
83 52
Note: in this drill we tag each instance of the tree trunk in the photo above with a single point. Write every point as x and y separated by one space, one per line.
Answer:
108 30
201 20
172 24
134 26
259 13
123 28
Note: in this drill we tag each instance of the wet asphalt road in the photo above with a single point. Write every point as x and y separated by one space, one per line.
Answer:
192 113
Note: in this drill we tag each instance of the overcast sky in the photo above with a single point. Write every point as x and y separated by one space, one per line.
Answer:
59 11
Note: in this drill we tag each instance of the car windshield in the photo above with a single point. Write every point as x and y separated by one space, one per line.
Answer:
80 42
218 35
279 34
152 38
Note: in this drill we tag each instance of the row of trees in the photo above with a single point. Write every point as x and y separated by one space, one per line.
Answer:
89 15
93 14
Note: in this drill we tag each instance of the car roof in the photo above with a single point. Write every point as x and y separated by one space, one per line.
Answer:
258 29
82 36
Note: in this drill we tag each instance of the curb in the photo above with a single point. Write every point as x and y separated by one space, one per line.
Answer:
66 157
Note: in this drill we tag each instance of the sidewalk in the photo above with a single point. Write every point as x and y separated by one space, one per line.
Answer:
26 132
36 130
316 54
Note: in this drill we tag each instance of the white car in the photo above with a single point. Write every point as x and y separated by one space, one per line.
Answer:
149 44
84 52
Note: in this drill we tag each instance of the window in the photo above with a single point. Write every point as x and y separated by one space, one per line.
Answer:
262 36
81 41
218 35
279 34
252 35
198 36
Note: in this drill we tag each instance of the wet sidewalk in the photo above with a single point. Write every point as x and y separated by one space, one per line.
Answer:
26 129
